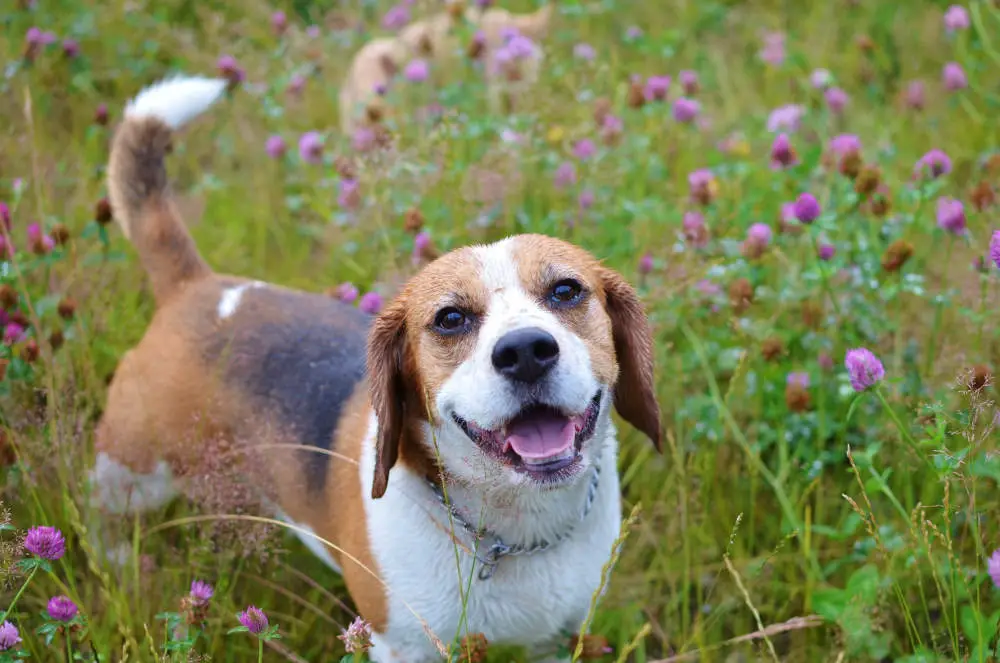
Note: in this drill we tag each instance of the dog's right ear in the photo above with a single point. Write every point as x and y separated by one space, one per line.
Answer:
387 388
536 24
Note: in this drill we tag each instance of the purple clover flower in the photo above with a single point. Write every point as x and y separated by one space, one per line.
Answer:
864 369
62 609
45 542
254 619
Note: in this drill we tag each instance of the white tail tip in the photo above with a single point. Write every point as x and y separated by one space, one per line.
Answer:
176 100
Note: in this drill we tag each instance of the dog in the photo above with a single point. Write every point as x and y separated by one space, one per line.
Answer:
483 390
379 61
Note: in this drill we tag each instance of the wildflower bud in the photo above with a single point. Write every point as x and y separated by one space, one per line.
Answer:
456 10
102 212
646 264
896 255
979 377
60 234
602 109
636 94
740 294
703 185
689 82
345 168
56 339
612 129
880 204
231 70
413 221
695 230
772 348
473 648
357 637
982 196
30 351
867 180
8 296
101 115
797 392
850 164
595 647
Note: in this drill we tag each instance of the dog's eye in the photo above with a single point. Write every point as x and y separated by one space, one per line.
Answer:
450 320
567 291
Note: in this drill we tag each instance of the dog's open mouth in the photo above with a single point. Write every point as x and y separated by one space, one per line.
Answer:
540 440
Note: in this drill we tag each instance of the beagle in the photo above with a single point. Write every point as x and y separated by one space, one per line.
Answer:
483 390
378 62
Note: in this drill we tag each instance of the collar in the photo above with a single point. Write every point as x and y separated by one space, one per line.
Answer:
499 549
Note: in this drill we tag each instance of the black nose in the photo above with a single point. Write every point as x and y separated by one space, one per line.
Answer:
525 354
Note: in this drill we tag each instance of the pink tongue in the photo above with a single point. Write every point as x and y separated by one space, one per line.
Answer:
541 435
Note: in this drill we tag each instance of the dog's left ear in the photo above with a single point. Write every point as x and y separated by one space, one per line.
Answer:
387 388
635 393
536 24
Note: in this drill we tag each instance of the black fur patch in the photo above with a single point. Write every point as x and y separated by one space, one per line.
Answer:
301 363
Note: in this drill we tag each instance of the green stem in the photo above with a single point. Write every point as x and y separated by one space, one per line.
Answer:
823 275
260 650
983 283
69 647
938 314
10 608
904 433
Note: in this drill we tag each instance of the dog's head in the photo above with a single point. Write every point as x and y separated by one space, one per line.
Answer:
512 353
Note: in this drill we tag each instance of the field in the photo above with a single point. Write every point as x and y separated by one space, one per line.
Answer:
821 179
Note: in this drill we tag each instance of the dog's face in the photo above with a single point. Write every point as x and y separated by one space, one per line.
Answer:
514 353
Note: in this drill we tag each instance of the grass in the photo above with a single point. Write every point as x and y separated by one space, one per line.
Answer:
863 522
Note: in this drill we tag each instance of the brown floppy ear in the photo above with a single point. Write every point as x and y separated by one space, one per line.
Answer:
635 393
536 24
387 388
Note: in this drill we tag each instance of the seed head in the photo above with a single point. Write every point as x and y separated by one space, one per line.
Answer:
413 220
102 212
864 369
636 94
62 609
8 296
772 348
703 185
982 196
867 180
473 648
740 294
896 255
979 377
595 647
56 339
45 542
602 109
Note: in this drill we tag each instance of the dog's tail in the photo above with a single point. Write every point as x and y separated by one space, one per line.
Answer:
137 179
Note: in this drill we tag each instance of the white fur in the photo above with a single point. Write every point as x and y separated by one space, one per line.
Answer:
119 490
231 297
531 600
176 100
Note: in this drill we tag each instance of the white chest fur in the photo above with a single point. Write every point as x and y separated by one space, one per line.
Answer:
530 600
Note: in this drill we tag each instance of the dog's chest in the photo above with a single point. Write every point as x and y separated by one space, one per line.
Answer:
531 600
